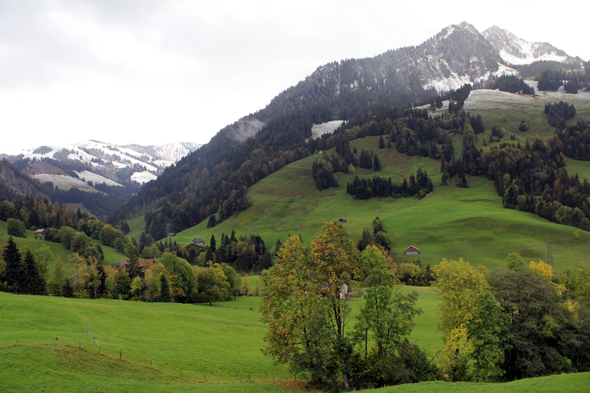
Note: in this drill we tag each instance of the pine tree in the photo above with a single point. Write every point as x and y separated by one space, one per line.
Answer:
213 244
381 142
164 289
15 268
34 283
376 163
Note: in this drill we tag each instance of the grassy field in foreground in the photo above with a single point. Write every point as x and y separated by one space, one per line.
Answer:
111 256
571 383
451 223
217 348
220 343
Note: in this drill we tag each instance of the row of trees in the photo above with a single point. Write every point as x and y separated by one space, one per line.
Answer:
169 279
512 84
418 185
507 324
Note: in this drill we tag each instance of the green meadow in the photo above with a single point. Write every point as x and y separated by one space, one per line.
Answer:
215 347
180 347
450 223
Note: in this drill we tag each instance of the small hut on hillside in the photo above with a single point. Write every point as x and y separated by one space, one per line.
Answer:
342 220
412 250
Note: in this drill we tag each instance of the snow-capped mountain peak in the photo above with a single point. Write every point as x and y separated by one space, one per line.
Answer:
517 51
108 161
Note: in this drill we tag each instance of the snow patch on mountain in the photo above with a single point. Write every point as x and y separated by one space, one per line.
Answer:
143 177
517 51
96 179
325 128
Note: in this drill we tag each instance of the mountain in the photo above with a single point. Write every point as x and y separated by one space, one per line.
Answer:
14 185
93 175
99 162
516 51
215 178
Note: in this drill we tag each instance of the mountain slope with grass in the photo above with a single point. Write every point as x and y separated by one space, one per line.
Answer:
450 223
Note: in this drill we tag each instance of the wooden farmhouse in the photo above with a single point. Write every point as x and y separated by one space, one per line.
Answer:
198 241
40 232
412 250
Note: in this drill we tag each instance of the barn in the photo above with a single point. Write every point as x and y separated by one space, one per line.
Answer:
412 250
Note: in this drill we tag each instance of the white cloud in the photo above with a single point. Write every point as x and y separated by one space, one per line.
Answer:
159 71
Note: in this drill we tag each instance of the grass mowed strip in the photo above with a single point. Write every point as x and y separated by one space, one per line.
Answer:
450 223
571 383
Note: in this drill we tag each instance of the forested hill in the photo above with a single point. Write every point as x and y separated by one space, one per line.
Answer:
215 178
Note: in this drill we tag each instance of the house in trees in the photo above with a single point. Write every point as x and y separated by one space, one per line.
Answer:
198 241
412 250
122 264
40 232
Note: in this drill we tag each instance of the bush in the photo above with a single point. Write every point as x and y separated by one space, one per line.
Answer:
16 228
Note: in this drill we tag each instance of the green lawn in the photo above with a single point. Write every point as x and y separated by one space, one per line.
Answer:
221 343
451 223
571 383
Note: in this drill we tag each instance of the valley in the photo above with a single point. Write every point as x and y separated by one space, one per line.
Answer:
384 221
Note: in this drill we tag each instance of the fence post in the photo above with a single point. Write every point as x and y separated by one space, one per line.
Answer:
120 351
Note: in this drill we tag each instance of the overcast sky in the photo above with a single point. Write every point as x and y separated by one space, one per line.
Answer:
153 72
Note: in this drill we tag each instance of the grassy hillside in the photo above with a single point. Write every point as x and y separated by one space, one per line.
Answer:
136 226
574 383
221 343
111 256
451 223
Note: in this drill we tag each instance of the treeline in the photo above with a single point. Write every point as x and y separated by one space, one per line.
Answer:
558 113
511 84
75 230
168 279
575 140
571 81
245 254
377 187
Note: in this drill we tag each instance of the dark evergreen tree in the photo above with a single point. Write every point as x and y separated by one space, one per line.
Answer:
213 244
16 273
376 163
381 142
35 282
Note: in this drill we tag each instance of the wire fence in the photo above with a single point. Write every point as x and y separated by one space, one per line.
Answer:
167 368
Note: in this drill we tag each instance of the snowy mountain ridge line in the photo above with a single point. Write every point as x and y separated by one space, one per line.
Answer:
515 50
